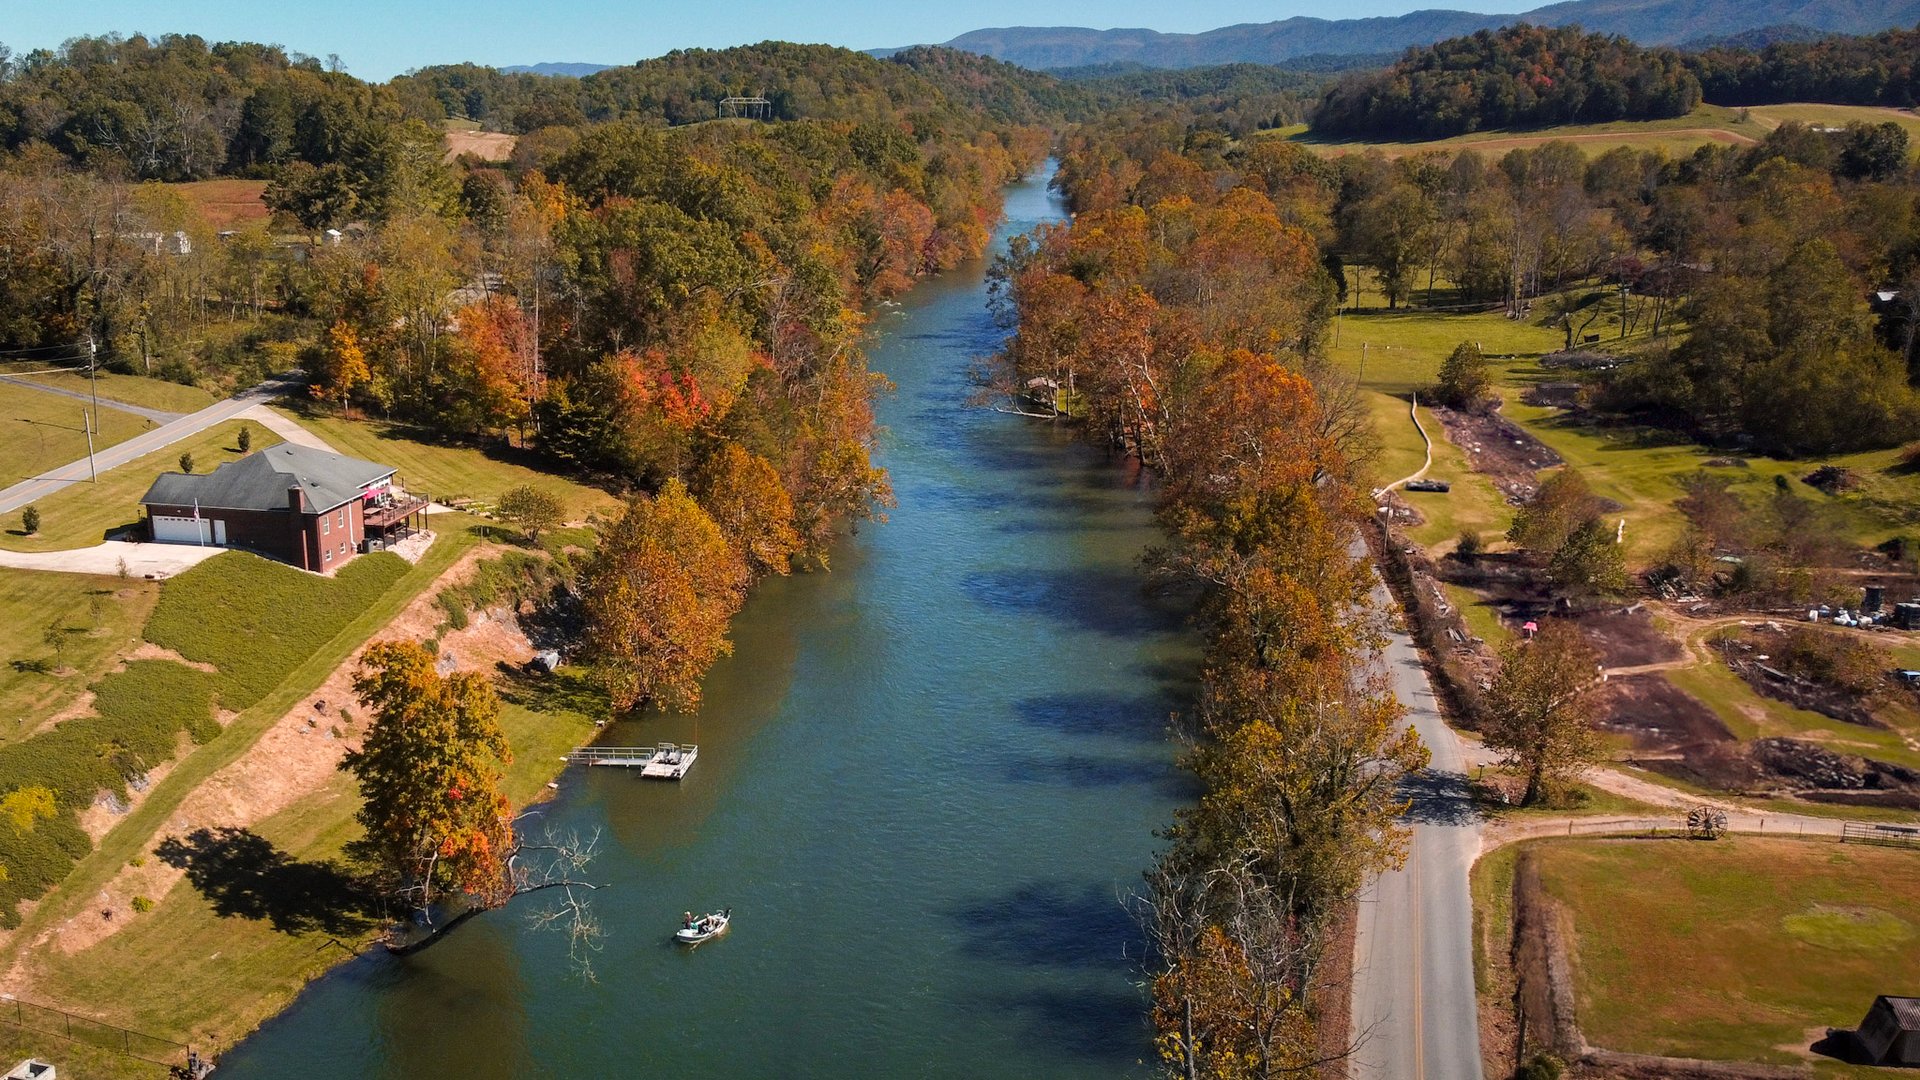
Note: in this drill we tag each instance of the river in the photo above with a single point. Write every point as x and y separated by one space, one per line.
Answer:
925 781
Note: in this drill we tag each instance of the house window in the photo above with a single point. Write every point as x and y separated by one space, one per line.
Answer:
340 518
323 526
328 555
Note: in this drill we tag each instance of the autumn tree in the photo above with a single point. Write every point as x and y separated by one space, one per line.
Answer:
436 824
533 510
1540 710
340 366
657 597
743 494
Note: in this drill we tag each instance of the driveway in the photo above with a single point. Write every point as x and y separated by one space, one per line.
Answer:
140 560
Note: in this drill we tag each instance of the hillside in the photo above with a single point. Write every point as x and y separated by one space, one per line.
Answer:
1650 22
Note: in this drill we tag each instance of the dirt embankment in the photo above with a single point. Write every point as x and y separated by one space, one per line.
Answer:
296 759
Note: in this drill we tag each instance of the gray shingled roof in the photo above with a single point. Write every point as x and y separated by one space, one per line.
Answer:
260 481
1906 1010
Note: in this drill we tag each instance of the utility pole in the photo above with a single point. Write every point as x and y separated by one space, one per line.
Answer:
93 379
88 425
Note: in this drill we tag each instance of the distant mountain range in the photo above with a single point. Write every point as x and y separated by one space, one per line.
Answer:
1751 23
575 70
1650 22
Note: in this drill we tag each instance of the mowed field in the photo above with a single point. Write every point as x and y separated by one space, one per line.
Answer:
1677 136
485 145
226 204
1744 949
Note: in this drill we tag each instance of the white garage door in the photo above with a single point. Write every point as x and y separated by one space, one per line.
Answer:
182 530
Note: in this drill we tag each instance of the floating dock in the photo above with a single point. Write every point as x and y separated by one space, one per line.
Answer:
668 761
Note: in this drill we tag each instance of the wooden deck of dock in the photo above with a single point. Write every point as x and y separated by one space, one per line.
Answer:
668 761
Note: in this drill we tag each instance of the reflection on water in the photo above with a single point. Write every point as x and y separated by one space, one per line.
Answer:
925 782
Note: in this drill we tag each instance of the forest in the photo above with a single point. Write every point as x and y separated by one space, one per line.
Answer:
1517 76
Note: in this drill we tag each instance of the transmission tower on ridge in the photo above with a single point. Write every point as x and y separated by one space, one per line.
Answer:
751 108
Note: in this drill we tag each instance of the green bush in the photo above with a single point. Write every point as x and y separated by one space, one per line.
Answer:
142 904
30 519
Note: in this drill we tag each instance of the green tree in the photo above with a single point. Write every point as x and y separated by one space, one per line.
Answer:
1539 712
429 771
1464 377
1563 503
1588 563
244 440
186 461
532 509
30 519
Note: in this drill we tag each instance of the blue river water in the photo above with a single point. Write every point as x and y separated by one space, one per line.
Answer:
926 782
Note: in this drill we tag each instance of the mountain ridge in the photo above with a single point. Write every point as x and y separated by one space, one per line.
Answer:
1649 22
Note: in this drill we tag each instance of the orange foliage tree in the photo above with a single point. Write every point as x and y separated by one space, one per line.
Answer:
436 824
657 597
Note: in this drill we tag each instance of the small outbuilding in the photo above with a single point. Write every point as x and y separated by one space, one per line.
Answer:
1890 1035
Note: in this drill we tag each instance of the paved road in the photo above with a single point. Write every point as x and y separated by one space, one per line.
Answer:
1414 1012
158 416
159 438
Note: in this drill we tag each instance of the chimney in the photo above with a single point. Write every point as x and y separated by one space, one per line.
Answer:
296 501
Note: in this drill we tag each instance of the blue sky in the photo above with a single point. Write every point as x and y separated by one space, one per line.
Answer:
378 39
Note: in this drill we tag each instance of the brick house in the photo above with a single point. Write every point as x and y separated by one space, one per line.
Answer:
307 507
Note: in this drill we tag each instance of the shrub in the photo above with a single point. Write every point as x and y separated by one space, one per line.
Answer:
532 509
186 462
244 440
1541 1067
142 905
30 519
1468 547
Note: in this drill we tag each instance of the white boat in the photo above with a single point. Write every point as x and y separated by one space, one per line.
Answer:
711 925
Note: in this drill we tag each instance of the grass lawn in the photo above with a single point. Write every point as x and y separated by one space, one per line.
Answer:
1751 715
84 514
1772 116
41 431
448 471
131 389
256 619
1735 949
1394 353
98 619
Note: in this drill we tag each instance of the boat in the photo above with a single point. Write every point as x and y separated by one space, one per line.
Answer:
711 925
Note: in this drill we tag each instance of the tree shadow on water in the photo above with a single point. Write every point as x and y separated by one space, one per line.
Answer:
1065 928
1146 717
242 874
1103 601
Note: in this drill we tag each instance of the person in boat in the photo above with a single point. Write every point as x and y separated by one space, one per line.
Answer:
686 921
